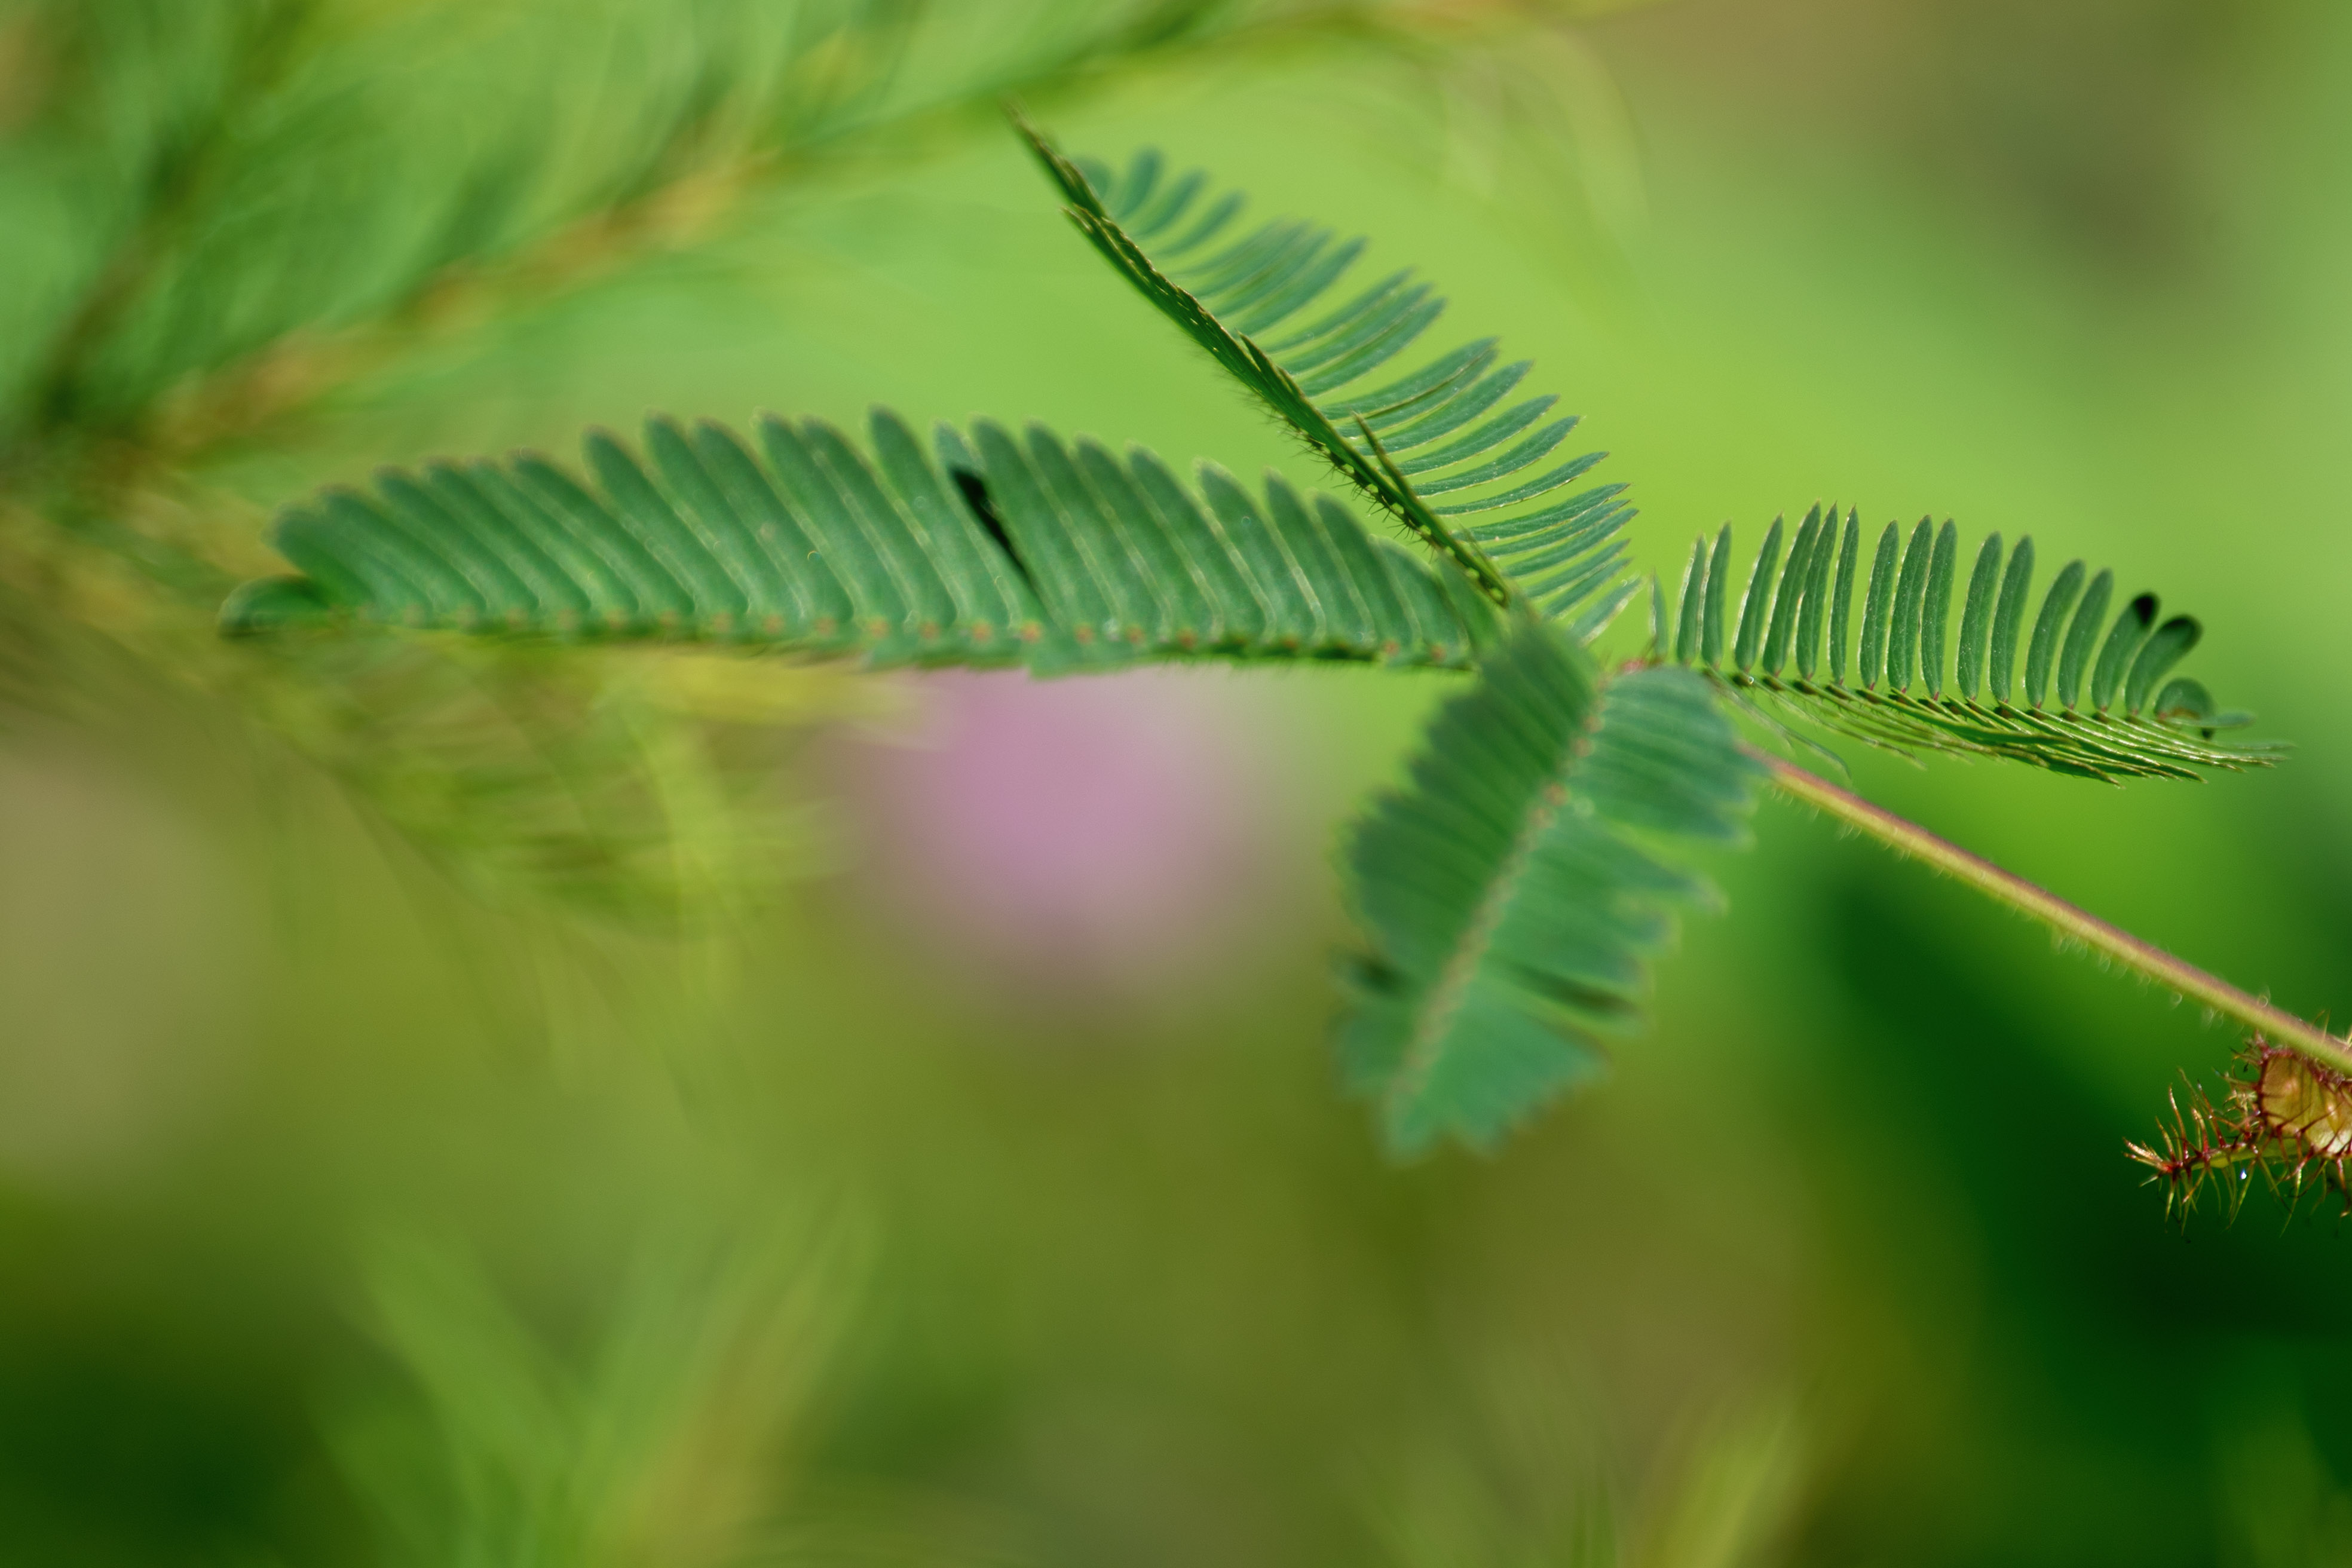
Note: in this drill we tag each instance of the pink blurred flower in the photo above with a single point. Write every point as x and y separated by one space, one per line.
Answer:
1076 833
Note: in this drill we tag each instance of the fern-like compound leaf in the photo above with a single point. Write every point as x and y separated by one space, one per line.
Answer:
1479 478
2098 699
984 548
1513 891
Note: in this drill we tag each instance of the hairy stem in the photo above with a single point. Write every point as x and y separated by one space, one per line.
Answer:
2175 974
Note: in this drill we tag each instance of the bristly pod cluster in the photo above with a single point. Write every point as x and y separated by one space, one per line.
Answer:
2280 1115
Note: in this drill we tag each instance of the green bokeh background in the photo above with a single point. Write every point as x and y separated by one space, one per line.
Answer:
356 1207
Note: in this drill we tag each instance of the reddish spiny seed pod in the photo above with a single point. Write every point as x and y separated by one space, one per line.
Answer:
2281 1115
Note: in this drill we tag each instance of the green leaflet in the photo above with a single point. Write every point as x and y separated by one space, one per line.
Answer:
988 548
1757 605
2103 723
1513 891
1484 489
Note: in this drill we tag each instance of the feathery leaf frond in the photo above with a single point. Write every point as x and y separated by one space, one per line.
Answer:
1513 891
1485 488
2094 698
990 549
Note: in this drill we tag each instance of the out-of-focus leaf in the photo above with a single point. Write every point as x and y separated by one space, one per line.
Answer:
1513 892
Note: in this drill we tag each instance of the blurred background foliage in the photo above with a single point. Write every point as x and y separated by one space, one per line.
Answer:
462 1107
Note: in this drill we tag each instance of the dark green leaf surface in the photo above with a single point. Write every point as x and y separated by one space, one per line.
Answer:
988 548
1876 606
1757 605
1976 617
1784 609
1515 889
1273 306
1899 698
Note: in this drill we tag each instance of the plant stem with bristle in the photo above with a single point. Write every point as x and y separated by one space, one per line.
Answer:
2175 974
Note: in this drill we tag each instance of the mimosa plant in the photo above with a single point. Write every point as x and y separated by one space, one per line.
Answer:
1511 895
